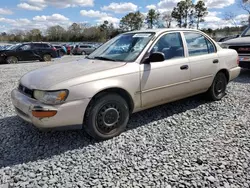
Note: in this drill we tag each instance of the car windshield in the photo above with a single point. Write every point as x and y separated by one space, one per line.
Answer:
13 47
246 32
125 47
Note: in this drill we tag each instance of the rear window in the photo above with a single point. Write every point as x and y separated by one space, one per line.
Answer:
85 46
41 45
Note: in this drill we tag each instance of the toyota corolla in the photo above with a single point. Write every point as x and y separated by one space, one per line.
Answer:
131 72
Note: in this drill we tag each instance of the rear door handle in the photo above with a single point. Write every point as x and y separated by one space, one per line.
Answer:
216 61
184 67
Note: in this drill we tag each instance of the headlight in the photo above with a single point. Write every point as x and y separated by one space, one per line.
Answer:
51 97
223 45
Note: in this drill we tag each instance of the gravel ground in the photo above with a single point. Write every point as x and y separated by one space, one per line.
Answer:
189 143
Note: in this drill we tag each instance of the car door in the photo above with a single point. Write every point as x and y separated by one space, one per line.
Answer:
87 49
25 53
167 80
204 61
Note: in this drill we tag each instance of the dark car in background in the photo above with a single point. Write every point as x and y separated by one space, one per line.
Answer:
83 49
242 45
28 52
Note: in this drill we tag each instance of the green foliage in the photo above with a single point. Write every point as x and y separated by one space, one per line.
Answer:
132 21
152 18
200 12
107 31
183 13
186 13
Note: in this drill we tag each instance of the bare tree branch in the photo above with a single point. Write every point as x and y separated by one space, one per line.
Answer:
231 17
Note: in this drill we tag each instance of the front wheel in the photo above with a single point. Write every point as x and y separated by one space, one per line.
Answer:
83 53
61 54
12 60
106 117
218 89
47 57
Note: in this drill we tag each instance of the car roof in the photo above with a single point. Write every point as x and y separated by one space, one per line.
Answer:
35 43
159 31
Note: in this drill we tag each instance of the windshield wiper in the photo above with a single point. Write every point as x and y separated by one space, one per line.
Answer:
104 58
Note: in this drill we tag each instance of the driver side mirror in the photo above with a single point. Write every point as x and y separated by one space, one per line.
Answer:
156 57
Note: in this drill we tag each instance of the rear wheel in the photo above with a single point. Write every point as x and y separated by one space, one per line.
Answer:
83 53
106 117
47 57
12 60
61 54
218 89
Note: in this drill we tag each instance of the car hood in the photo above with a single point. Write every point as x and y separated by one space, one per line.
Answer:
45 78
238 41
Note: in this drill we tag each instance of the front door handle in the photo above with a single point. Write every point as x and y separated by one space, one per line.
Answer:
184 67
216 61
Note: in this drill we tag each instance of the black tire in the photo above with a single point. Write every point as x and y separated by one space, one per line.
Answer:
106 117
46 57
61 54
83 53
218 88
12 60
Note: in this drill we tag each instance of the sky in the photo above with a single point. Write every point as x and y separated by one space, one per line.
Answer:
41 14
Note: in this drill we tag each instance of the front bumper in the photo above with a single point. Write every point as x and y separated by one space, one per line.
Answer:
68 114
244 62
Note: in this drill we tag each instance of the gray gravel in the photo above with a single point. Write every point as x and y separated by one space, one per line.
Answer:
189 143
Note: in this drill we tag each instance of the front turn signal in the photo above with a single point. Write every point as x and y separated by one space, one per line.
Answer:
44 114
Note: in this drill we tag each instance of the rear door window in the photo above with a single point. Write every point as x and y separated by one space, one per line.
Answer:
198 44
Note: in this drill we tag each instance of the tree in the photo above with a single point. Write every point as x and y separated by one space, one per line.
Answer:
168 19
56 33
231 17
104 28
178 13
245 5
200 12
183 13
152 18
188 13
34 35
75 31
132 21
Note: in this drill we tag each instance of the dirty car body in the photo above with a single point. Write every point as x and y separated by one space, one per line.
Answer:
131 72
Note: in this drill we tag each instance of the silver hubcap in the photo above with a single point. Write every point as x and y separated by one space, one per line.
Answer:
110 117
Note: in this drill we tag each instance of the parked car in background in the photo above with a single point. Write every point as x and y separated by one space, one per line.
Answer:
242 45
223 39
61 50
28 52
68 48
83 49
100 92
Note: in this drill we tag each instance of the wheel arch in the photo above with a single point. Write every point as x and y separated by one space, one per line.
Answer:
122 92
226 72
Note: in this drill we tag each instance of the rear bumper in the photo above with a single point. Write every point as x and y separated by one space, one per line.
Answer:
234 73
68 114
